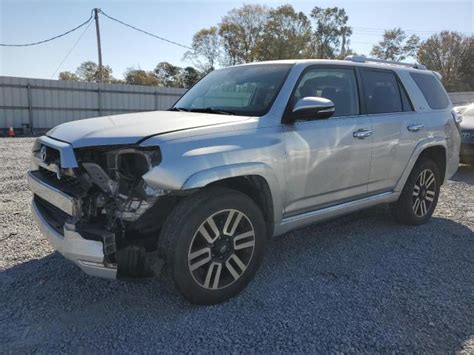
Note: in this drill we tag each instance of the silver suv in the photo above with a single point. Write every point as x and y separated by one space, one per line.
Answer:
250 152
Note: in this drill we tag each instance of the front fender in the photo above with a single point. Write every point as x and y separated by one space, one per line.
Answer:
208 176
204 177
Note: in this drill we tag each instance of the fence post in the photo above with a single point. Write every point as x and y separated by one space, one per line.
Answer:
30 107
156 100
99 100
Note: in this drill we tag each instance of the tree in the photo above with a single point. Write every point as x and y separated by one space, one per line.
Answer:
206 47
286 34
332 33
241 30
68 76
140 77
451 54
396 46
188 77
167 74
89 71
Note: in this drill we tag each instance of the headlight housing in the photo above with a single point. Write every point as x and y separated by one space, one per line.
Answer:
132 163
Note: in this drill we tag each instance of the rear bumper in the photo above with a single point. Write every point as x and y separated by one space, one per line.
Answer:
87 254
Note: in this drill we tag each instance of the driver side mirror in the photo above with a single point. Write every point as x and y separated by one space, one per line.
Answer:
312 108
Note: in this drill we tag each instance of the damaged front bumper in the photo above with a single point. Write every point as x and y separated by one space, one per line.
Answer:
87 254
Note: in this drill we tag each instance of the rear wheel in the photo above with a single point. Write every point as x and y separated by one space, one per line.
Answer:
213 243
419 197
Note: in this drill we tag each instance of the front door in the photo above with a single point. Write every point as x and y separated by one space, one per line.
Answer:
328 160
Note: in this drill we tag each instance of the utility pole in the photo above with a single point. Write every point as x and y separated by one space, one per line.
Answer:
99 48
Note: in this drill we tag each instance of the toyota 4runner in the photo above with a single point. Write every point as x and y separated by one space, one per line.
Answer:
250 152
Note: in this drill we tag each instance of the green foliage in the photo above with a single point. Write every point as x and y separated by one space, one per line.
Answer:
254 32
140 77
451 54
206 49
167 74
89 71
241 30
332 33
164 74
396 46
68 76
286 35
188 77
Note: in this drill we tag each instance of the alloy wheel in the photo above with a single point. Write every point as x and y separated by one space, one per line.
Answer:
221 249
424 193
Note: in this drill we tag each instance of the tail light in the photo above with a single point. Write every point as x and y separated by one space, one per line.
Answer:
457 117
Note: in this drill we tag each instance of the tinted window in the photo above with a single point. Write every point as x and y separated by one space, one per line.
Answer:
382 93
247 90
337 85
432 90
406 103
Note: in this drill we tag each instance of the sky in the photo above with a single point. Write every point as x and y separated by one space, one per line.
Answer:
28 21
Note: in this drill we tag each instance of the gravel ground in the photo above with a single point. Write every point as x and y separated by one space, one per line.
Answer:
357 284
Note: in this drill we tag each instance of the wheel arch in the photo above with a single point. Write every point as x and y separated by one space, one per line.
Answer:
255 180
436 153
434 148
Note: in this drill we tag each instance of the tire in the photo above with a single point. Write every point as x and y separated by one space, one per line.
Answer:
419 197
223 230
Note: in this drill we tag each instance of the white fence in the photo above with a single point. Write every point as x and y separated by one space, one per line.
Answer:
37 104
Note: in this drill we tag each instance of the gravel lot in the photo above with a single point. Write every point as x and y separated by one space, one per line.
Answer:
357 284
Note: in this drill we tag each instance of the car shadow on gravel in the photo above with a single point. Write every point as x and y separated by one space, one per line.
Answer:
464 174
359 283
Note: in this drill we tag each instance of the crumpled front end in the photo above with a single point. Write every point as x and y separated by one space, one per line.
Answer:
94 207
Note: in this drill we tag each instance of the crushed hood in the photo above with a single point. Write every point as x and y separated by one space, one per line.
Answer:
134 127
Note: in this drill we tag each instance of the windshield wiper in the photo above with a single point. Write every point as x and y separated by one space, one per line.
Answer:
212 110
180 109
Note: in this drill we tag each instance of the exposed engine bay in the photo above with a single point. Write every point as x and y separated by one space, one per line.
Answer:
117 207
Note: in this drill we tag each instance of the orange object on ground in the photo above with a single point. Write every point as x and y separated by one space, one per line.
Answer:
11 132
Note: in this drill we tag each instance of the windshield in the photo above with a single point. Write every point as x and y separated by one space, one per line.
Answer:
247 90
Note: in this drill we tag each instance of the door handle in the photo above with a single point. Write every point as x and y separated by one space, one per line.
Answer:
362 133
415 127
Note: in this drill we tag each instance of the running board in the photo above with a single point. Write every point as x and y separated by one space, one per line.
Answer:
307 218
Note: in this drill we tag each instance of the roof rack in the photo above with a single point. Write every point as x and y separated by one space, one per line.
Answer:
364 59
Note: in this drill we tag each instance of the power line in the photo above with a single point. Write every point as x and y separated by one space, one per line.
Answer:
49 39
72 48
145 32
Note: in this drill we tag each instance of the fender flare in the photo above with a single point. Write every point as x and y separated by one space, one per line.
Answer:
420 147
205 177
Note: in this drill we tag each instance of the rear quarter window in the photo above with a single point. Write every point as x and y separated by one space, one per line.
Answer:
432 90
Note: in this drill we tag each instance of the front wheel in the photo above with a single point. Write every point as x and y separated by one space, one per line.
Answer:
213 243
419 197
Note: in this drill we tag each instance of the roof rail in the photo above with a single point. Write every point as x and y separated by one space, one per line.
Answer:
364 59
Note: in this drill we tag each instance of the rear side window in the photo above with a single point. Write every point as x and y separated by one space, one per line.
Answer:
432 90
382 91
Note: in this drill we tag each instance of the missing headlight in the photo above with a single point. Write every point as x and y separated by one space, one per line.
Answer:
132 165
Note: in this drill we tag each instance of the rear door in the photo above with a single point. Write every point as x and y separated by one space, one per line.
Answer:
391 112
